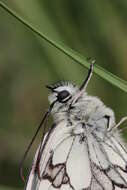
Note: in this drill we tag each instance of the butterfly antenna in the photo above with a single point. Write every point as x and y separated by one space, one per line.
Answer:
86 81
30 144
39 152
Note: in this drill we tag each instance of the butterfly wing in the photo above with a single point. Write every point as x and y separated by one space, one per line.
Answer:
61 163
109 162
117 156
69 163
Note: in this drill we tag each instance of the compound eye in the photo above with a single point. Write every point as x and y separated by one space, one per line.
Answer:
63 96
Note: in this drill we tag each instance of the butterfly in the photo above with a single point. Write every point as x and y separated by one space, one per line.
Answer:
83 150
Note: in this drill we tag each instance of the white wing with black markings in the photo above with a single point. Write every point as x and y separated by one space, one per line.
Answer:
71 162
61 163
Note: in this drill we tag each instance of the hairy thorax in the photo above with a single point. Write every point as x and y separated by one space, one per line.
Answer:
88 111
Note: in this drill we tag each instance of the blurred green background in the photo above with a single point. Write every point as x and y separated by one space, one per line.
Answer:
27 63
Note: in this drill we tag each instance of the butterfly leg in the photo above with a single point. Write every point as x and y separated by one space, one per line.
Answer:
90 72
123 119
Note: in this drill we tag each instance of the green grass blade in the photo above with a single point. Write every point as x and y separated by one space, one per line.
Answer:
103 73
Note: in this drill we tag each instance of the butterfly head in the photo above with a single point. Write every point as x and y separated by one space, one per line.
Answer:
62 92
66 95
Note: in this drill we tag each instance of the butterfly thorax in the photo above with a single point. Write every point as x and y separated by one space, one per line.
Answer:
86 115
